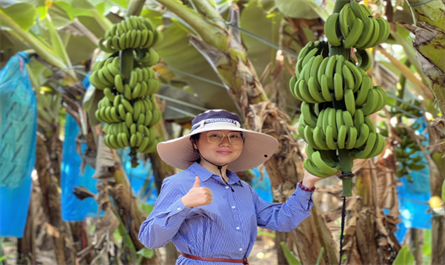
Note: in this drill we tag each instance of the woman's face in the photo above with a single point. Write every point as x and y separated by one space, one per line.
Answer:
220 153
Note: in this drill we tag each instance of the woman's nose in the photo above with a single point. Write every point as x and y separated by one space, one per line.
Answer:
225 141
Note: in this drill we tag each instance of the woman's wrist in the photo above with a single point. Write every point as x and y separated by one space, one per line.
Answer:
308 180
308 183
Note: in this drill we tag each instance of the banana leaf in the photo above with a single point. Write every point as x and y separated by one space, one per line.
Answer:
173 98
176 51
307 9
23 14
258 22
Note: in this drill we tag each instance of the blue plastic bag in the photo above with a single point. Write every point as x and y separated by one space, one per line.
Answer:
18 121
74 209
414 196
263 187
138 176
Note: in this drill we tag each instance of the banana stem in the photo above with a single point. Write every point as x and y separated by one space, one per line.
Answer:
345 159
135 8
125 67
402 82
126 64
346 163
401 89
339 5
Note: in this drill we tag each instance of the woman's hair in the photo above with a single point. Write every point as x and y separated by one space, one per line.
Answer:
194 140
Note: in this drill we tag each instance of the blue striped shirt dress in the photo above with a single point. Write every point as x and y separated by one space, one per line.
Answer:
226 228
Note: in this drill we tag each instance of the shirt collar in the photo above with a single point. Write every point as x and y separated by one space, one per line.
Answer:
204 174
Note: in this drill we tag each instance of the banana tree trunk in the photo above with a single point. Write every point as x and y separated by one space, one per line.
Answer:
222 48
369 235
51 205
26 246
109 169
429 44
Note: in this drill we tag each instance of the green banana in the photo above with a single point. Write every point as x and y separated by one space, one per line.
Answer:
343 20
319 163
330 67
368 30
341 138
338 87
350 101
363 136
330 29
330 138
310 167
370 142
352 138
358 78
354 35
371 102
309 116
314 89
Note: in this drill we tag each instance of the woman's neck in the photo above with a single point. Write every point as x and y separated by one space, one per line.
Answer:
214 169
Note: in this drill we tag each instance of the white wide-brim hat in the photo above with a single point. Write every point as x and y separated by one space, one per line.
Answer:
258 147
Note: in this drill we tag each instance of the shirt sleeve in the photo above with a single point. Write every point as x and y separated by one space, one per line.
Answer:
167 216
286 216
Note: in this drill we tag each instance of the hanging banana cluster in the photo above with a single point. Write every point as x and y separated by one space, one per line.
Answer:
406 162
129 107
337 98
395 112
404 150
132 32
355 26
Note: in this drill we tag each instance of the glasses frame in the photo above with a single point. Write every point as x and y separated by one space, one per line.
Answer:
224 135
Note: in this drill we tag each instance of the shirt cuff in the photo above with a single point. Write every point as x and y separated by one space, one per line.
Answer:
305 198
178 208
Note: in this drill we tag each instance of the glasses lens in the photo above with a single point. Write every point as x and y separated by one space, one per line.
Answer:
215 136
235 138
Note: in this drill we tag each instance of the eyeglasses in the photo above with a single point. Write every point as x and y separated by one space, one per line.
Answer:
218 136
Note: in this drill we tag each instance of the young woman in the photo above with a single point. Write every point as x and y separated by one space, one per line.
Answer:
206 210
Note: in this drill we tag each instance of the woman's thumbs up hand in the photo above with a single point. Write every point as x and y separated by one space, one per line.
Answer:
197 196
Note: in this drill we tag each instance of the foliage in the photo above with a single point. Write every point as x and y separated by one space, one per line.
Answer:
404 257
48 29
290 257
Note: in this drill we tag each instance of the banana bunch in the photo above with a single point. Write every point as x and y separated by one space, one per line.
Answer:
309 51
355 26
412 110
337 97
106 73
128 108
323 79
128 126
406 162
132 32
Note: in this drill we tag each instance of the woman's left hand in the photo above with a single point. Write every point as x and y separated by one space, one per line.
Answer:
309 179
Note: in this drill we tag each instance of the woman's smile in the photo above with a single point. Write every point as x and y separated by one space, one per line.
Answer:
224 152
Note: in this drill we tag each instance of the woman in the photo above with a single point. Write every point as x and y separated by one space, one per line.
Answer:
206 210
